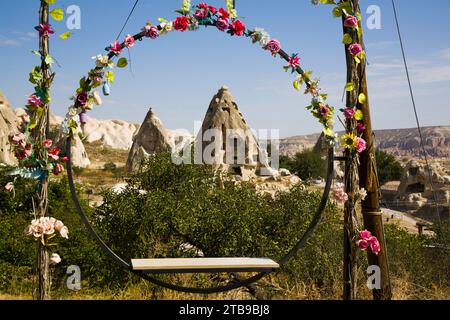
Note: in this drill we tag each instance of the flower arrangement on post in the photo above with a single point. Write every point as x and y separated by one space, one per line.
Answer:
366 241
351 19
37 156
45 229
339 195
358 153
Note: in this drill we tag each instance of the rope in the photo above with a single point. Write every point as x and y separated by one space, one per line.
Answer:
419 128
128 19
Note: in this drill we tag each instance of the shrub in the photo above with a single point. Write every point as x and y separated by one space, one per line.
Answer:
286 163
423 260
182 204
110 166
19 251
78 170
166 206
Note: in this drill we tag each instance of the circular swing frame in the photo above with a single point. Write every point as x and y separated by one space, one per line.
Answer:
241 283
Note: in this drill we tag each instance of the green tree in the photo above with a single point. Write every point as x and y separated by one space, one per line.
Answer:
308 165
389 169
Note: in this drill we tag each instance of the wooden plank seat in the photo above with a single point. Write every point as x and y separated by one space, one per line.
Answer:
204 265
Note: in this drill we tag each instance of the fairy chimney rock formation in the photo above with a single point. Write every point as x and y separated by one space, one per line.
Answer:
152 138
226 141
8 126
78 154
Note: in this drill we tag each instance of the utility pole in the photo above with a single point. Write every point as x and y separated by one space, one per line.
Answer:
40 134
368 179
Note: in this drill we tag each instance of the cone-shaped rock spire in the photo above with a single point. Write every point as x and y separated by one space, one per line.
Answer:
152 138
225 140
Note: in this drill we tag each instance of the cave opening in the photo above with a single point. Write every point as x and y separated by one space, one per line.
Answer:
416 188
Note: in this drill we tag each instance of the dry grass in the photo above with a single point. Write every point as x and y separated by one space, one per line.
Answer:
16 297
99 154
99 178
279 287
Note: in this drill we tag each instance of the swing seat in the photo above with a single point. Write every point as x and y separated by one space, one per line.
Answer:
204 265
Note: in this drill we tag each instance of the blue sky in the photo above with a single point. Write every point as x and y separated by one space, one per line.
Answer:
178 74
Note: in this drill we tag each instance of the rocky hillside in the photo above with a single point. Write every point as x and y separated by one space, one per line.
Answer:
290 146
399 142
118 134
406 142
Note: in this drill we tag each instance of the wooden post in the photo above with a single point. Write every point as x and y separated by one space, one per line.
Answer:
420 227
40 134
351 188
368 179
44 279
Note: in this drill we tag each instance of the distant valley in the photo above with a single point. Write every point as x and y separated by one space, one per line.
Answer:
398 142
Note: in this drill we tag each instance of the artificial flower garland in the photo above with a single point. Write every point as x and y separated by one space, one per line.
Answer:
351 20
351 140
365 239
225 20
37 159
190 19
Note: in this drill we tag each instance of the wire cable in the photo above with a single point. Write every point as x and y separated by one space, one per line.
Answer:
128 19
411 91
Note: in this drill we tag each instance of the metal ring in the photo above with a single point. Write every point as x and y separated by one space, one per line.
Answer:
122 263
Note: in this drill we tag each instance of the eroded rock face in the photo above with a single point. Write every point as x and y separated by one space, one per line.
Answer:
152 138
8 126
292 145
115 134
227 142
416 188
406 142
55 121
